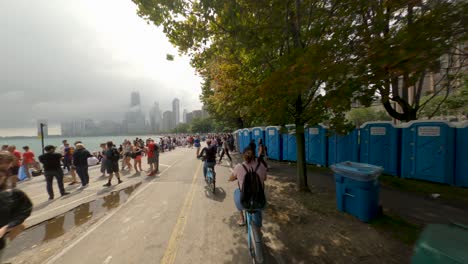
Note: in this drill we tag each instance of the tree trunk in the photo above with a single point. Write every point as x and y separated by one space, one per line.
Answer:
301 158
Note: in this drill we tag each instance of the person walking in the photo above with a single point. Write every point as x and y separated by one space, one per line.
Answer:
152 151
127 155
15 205
262 153
16 165
225 151
112 163
80 160
137 155
253 147
103 159
28 161
52 169
197 144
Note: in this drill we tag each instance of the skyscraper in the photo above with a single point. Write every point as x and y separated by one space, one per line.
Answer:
135 99
184 116
155 118
176 111
168 121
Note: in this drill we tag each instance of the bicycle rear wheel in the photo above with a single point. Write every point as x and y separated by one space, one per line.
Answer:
256 243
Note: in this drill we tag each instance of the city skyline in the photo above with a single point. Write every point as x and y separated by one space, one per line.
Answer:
134 120
86 65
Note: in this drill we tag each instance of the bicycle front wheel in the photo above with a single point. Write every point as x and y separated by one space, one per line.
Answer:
256 244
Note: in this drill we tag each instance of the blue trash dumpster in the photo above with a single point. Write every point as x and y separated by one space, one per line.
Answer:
380 146
461 155
357 189
257 134
316 145
343 148
428 149
273 142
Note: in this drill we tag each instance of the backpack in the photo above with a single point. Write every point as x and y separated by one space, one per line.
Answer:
252 194
115 155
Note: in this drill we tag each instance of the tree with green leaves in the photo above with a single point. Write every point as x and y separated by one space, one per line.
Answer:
401 45
271 62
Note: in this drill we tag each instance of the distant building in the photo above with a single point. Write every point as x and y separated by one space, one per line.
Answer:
135 99
134 121
189 117
197 114
168 121
155 118
176 111
184 116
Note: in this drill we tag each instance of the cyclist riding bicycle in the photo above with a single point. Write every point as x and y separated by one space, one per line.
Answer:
239 174
210 156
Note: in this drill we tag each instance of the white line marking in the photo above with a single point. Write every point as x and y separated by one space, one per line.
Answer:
53 259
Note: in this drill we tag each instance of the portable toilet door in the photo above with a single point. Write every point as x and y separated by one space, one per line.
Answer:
257 134
273 142
292 146
343 147
428 149
380 145
235 134
316 145
461 155
289 143
246 136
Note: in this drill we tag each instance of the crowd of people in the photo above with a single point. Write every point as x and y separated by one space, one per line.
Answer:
74 159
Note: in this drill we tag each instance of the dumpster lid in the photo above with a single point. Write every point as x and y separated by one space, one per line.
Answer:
357 171
444 242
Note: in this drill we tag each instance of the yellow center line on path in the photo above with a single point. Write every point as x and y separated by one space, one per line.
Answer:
178 231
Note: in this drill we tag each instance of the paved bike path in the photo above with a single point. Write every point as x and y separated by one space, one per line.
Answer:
171 220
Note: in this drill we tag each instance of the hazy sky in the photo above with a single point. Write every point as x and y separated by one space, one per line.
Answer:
82 58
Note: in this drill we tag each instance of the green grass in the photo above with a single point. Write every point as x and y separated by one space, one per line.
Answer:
397 227
447 193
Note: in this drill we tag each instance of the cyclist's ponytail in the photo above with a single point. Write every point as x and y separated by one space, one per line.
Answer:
248 155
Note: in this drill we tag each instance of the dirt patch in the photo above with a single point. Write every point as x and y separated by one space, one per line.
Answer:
311 230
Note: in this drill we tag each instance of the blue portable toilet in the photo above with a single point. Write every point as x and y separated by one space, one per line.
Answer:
257 134
289 143
246 137
380 145
273 142
236 136
461 155
316 145
428 149
343 147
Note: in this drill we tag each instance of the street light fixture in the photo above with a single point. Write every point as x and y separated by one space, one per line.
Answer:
42 125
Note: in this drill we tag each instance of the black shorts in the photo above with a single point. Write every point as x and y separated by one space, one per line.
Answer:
112 167
14 170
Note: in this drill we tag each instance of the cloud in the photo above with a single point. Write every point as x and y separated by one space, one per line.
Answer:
67 59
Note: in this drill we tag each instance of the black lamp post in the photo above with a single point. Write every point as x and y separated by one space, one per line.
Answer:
42 136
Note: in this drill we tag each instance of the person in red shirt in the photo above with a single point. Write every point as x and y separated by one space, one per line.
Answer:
152 152
28 161
16 165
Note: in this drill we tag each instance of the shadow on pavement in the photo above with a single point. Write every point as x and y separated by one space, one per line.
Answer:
219 195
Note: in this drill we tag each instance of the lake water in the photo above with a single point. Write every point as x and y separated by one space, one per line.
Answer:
91 143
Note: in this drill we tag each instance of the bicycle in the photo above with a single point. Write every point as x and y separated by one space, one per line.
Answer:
254 239
211 179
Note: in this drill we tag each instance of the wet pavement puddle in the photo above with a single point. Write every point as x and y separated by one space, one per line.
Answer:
59 225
